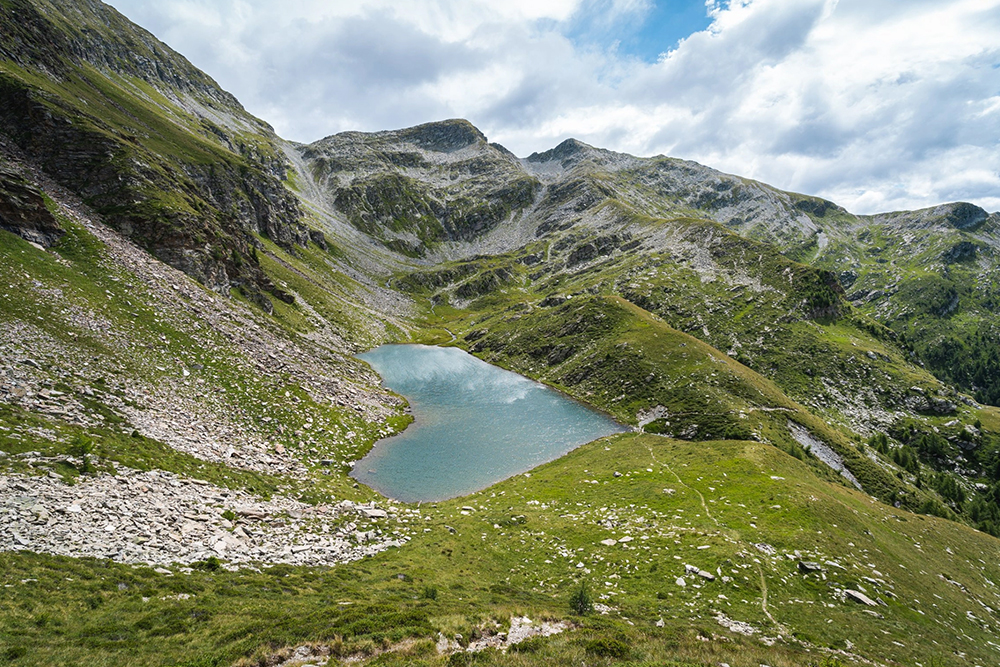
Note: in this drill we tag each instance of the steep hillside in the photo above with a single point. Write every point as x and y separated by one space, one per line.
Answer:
147 140
679 241
417 183
931 276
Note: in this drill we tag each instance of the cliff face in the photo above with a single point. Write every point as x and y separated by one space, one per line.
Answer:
149 141
23 211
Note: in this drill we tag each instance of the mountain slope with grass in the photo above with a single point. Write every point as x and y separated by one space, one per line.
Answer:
150 142
812 472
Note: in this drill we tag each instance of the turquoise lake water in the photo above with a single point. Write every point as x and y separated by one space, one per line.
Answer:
475 424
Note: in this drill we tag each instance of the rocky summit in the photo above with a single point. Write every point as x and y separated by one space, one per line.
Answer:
810 473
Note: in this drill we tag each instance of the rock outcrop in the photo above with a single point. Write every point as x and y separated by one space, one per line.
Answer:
417 188
23 211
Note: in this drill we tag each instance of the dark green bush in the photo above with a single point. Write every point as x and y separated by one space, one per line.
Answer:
608 647
580 602
210 564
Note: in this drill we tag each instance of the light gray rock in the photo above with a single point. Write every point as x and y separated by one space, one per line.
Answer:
858 596
181 522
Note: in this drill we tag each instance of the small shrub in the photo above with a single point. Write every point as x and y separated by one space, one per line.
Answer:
366 647
422 648
81 448
229 515
880 443
828 661
210 564
581 602
949 488
932 507
14 653
430 593
337 647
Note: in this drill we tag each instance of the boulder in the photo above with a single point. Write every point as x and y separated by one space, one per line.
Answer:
860 597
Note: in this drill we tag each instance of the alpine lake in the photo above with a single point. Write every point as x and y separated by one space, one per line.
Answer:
474 424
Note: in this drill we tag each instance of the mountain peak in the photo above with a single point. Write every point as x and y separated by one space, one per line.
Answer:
963 215
444 136
568 149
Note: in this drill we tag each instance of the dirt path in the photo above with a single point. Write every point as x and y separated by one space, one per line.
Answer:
704 505
708 513
763 601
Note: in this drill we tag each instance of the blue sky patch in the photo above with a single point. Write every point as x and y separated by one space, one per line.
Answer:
645 33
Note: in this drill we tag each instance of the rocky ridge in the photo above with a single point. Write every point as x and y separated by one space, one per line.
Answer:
416 188
23 211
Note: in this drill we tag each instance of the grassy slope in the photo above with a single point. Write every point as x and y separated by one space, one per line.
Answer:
945 307
707 504
626 361
517 553
846 372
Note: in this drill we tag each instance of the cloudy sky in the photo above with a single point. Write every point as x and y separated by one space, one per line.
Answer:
876 104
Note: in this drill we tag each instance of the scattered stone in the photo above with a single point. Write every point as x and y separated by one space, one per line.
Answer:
858 596
692 569
738 627
181 522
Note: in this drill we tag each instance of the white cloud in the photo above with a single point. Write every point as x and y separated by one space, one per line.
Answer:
876 104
